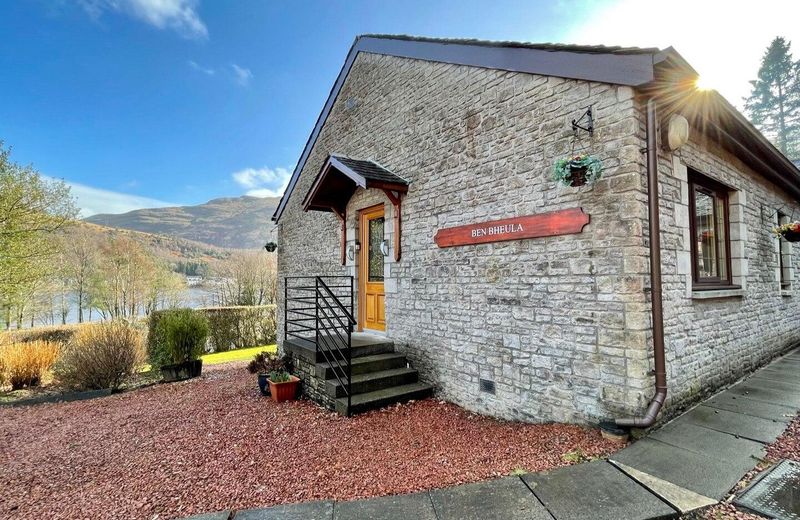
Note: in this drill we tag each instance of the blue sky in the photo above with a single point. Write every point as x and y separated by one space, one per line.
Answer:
138 103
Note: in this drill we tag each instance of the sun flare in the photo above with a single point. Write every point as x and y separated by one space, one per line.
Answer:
703 83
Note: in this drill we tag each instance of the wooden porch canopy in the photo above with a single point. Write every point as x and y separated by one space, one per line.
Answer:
339 179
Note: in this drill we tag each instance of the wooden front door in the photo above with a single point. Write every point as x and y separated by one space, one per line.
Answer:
372 299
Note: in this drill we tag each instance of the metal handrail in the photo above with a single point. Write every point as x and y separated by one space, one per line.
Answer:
336 300
333 321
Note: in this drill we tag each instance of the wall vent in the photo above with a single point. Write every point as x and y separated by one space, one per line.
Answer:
487 386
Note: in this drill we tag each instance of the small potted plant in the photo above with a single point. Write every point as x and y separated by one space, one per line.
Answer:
282 385
577 170
262 364
183 333
789 231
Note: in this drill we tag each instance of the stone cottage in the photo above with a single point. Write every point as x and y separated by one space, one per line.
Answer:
423 244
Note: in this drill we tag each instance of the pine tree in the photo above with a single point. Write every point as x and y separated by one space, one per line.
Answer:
774 102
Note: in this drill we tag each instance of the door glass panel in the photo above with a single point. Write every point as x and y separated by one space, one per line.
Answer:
375 256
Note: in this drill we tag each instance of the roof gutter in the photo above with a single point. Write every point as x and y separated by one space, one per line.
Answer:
660 396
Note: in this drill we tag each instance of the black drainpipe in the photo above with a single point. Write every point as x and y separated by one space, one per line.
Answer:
660 396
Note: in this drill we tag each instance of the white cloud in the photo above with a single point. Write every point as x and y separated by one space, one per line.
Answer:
724 41
241 75
96 200
178 15
263 182
200 68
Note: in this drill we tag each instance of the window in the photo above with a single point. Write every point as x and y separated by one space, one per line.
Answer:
710 233
784 258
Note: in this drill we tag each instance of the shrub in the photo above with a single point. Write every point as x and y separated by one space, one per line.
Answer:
24 364
266 363
102 355
157 353
183 333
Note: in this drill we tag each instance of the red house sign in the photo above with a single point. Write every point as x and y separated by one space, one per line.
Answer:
563 222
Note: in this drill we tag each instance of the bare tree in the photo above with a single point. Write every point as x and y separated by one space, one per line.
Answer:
129 280
246 278
80 259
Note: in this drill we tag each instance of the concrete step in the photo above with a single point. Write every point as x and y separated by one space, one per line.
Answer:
371 400
357 351
372 381
364 364
362 345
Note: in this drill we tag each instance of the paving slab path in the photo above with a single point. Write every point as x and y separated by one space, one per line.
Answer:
691 462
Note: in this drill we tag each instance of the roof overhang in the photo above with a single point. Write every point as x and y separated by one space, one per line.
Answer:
341 176
643 69
710 114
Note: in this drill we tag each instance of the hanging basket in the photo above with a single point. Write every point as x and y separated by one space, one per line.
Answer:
791 236
789 231
577 170
577 176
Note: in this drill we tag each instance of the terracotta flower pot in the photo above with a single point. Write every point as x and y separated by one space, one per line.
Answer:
285 391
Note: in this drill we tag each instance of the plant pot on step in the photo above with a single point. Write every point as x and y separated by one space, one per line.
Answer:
284 391
182 371
263 385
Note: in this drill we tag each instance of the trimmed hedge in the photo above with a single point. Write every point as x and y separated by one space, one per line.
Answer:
229 328
61 334
241 327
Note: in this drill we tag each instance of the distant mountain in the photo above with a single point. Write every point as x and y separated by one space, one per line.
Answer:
234 223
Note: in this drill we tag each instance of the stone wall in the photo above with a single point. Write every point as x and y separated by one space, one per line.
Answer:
560 324
712 339
312 386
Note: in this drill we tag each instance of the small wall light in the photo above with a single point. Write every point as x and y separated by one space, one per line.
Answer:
351 251
677 133
385 248
271 247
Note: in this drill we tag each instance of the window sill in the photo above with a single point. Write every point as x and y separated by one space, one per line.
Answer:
710 294
787 293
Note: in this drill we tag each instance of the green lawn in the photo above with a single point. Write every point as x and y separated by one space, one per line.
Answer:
217 358
244 354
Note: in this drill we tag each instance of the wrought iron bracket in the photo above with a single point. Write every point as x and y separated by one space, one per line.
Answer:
585 122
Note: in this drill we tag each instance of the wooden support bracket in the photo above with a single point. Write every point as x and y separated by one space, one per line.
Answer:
343 218
396 199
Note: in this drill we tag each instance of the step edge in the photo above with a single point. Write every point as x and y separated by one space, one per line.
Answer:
394 372
419 386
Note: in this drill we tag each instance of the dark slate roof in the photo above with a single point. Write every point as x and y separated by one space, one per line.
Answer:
632 66
555 47
370 170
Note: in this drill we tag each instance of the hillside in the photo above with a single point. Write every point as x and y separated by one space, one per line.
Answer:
236 223
173 250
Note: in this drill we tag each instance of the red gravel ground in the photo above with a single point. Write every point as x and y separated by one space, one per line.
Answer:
787 446
210 444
